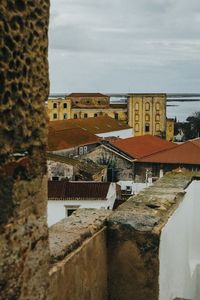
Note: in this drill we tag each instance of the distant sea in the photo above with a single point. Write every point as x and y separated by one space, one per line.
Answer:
181 110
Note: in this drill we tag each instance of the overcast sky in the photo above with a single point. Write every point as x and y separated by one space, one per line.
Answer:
124 45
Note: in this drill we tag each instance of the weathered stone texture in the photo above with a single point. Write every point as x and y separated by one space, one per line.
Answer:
134 236
23 91
79 257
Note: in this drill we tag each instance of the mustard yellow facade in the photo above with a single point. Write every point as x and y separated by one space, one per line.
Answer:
170 130
147 114
74 107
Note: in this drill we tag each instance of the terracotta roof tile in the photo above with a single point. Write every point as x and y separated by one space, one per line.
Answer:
70 138
86 95
140 146
77 190
186 153
93 125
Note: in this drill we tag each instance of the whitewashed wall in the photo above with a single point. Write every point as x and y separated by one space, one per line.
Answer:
136 187
56 208
180 249
123 134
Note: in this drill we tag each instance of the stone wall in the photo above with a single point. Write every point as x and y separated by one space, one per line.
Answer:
134 231
79 257
23 91
121 168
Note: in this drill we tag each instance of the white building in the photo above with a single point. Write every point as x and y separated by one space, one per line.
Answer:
65 197
179 252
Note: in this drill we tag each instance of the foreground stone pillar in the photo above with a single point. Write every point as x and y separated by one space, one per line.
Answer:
23 90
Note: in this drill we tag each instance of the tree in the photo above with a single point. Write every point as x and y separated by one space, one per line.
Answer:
194 121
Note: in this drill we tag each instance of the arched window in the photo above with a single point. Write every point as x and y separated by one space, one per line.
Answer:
75 116
137 128
147 117
136 117
54 105
157 117
147 106
157 105
147 127
55 116
136 106
157 127
64 116
65 105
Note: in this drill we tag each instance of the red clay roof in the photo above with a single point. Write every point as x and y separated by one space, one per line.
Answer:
92 125
140 146
70 138
87 95
186 153
77 190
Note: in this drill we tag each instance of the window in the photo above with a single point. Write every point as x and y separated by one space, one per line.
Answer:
147 127
147 106
55 178
95 115
137 127
116 116
75 116
136 117
69 209
157 127
85 149
55 116
81 150
64 116
54 105
157 105
147 117
136 106
85 115
65 105
157 117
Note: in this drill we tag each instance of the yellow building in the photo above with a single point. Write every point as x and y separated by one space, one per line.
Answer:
147 114
170 130
85 105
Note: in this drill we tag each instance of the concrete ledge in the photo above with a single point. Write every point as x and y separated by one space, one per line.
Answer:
70 233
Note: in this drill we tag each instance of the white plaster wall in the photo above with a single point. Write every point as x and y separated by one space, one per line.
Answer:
180 249
136 187
123 134
56 208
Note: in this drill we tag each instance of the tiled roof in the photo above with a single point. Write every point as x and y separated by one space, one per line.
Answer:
140 146
86 164
186 153
196 142
86 95
69 138
64 190
93 125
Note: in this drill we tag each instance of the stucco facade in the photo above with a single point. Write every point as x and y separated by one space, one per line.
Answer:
119 167
170 130
147 114
71 107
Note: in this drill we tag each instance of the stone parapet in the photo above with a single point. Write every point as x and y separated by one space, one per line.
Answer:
70 233
134 231
78 247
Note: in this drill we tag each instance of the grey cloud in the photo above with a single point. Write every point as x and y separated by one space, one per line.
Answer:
122 41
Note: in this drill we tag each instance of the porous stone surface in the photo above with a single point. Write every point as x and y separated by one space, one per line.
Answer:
134 235
24 82
70 233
